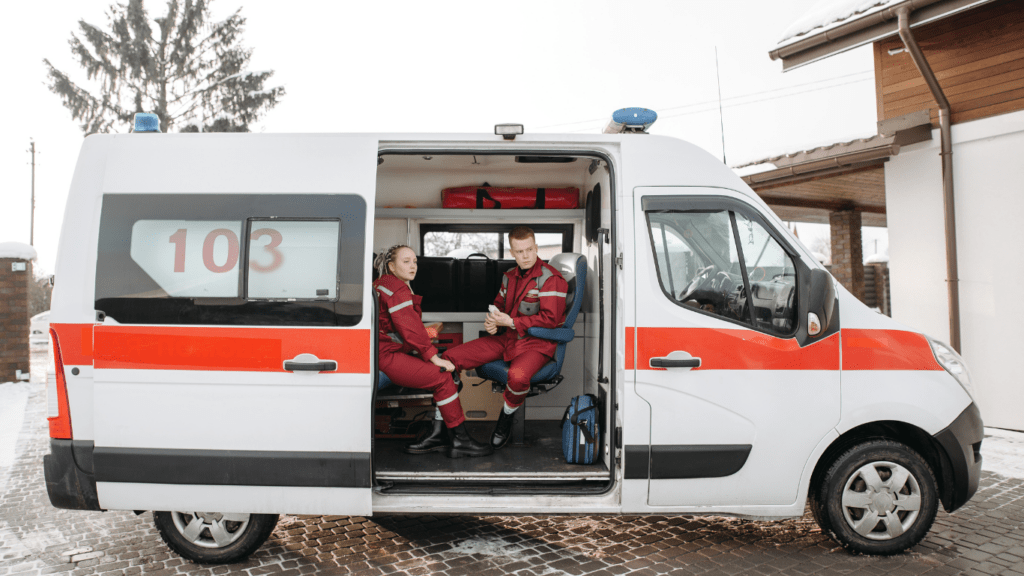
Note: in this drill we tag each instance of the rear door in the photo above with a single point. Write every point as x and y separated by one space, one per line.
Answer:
737 402
232 373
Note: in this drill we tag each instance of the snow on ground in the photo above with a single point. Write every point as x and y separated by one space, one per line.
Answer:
828 12
13 398
1002 452
17 250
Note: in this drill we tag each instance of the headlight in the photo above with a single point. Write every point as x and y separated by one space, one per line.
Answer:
954 364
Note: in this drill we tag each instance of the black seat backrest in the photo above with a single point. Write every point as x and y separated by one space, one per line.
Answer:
438 281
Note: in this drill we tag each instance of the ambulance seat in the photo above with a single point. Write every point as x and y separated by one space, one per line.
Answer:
573 268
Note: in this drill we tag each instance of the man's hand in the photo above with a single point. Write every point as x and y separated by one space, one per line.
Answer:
442 363
497 319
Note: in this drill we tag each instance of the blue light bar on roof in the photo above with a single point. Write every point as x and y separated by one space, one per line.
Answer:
146 122
631 120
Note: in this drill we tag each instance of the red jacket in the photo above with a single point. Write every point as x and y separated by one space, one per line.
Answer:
401 315
531 307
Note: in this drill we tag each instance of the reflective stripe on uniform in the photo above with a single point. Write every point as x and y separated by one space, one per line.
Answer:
398 307
543 294
518 393
385 290
448 400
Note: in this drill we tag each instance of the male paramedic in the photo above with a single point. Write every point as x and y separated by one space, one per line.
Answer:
532 295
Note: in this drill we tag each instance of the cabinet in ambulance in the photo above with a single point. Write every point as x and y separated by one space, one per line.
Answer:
213 336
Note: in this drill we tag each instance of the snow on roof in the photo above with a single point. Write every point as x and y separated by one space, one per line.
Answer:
17 250
830 13
750 166
877 259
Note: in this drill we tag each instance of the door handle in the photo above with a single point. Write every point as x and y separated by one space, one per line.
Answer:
675 362
321 366
309 363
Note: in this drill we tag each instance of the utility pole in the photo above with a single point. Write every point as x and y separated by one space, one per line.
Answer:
32 220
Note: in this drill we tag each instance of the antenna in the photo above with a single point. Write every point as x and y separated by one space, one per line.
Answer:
721 121
32 218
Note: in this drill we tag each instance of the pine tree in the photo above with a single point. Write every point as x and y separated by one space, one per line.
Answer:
190 72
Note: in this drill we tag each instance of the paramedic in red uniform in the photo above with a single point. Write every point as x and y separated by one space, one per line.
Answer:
531 295
401 336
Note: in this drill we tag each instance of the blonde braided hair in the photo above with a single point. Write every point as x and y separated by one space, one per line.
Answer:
386 257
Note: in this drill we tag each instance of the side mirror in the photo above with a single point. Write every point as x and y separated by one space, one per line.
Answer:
821 299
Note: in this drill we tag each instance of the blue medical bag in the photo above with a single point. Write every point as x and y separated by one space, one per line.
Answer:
581 430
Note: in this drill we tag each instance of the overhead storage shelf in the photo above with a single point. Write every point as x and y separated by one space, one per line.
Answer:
449 214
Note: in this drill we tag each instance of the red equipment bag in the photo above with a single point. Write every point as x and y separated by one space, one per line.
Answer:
493 197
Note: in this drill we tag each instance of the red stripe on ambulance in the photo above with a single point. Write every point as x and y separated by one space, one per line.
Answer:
75 343
217 348
735 349
630 360
886 350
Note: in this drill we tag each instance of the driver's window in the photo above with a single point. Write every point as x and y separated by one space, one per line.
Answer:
772 278
697 261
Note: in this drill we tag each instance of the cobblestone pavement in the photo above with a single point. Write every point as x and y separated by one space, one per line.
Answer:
984 537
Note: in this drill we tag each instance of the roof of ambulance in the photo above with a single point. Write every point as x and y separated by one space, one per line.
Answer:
653 160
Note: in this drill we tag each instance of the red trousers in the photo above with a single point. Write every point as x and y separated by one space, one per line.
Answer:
483 350
411 372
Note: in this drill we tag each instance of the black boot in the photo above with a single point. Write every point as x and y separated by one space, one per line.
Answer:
436 441
502 430
463 445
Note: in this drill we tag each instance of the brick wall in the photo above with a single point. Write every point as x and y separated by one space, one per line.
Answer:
13 319
847 253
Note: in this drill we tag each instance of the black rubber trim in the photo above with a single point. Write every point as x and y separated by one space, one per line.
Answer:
671 462
233 467
962 442
638 462
67 484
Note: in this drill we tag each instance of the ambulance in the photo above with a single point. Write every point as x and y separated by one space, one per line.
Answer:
213 336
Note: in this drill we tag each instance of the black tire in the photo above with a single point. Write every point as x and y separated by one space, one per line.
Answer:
891 498
213 538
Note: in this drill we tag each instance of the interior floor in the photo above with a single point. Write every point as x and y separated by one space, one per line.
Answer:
539 458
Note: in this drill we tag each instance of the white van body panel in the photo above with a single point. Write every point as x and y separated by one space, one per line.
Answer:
780 415
178 410
239 499
238 396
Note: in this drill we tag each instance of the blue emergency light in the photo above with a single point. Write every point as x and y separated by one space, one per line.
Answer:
146 122
631 120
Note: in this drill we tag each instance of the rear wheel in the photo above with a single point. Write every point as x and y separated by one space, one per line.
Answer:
214 537
879 497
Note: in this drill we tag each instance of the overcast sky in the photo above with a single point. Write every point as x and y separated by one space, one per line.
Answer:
554 66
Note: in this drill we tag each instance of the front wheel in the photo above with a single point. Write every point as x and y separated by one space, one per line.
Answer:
879 497
214 537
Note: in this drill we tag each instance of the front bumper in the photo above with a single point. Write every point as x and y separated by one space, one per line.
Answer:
961 469
68 470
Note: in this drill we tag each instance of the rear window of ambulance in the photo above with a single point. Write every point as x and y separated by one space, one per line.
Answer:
294 259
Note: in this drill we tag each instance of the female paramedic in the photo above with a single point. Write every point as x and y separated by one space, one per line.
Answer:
401 336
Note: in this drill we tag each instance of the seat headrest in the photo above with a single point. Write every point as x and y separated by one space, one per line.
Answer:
565 263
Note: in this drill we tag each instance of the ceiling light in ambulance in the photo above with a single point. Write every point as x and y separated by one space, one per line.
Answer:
631 120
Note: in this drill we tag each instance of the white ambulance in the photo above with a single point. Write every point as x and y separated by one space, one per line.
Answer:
214 342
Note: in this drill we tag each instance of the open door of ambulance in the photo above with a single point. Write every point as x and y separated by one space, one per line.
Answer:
232 372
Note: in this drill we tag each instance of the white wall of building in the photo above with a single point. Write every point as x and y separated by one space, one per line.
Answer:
988 173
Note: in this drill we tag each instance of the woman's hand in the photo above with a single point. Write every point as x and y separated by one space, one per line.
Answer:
442 363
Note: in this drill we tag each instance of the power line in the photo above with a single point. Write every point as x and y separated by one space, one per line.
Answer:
759 93
712 108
